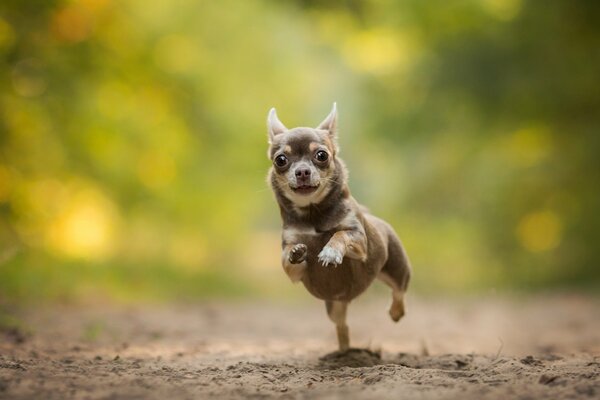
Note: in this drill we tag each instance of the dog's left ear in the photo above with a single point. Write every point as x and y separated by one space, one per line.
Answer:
274 125
330 123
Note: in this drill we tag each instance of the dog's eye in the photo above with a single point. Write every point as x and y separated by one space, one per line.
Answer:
281 160
321 156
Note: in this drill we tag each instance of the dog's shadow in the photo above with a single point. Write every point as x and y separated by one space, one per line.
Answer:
353 357
358 358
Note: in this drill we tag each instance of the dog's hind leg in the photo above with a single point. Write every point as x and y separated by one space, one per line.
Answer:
336 310
396 274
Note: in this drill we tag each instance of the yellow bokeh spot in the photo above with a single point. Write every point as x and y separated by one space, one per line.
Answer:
71 24
156 169
527 146
503 9
375 51
332 25
46 198
5 184
175 53
114 99
539 231
94 6
7 34
86 228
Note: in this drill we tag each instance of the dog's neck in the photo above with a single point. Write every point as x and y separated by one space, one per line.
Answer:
327 212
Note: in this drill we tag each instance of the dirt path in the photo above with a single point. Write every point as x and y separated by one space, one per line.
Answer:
544 347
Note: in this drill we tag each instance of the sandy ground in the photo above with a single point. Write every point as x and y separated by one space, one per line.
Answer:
483 348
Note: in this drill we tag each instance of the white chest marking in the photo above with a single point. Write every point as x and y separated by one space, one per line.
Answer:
292 234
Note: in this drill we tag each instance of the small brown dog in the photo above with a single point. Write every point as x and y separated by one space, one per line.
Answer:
330 242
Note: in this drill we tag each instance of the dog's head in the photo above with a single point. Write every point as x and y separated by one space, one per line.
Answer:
303 159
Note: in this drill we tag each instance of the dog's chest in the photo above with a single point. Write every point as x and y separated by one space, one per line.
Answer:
307 235
341 282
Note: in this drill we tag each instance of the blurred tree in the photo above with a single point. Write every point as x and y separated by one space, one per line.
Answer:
132 138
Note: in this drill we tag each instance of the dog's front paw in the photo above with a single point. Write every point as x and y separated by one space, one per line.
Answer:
330 255
298 253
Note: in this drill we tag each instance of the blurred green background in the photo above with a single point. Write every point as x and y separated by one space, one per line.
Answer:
133 140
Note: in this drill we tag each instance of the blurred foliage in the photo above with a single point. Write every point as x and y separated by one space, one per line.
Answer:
132 139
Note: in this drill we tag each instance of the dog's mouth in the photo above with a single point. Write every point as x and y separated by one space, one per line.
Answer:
305 189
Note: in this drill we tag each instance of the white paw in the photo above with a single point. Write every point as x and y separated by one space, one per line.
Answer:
330 255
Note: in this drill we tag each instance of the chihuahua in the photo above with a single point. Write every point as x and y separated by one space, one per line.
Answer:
330 242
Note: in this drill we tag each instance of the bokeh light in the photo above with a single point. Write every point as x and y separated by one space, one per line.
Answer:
132 140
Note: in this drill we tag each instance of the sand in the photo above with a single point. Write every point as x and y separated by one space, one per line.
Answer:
480 348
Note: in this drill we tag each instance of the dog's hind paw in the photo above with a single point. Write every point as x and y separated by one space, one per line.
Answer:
330 255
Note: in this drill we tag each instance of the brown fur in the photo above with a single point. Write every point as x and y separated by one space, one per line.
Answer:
330 243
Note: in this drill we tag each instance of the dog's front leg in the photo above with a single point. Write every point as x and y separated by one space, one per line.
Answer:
293 259
345 243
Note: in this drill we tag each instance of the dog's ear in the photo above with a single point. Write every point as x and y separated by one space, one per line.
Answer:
274 125
330 123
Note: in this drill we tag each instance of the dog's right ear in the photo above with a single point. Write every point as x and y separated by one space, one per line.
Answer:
274 125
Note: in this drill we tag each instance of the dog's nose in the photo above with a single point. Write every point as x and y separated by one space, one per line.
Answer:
302 173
